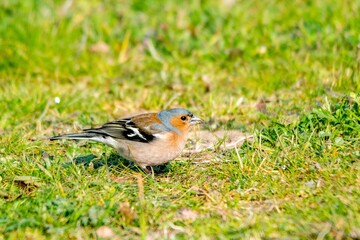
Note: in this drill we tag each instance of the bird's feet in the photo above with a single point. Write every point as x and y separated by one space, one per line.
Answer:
148 169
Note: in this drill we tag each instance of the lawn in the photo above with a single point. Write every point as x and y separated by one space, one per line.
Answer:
287 72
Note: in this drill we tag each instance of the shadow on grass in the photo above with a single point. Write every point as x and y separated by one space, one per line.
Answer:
114 161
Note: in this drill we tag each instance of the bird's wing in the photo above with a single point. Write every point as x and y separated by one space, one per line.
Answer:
141 128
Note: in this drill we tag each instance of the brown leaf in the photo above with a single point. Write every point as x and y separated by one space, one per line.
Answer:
127 212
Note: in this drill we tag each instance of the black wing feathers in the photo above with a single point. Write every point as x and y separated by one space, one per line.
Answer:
122 129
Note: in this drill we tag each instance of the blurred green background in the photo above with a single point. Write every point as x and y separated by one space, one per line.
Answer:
199 54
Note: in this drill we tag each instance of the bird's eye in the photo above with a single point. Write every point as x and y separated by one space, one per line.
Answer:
183 118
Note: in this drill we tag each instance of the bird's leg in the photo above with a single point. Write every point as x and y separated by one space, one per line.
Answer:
145 169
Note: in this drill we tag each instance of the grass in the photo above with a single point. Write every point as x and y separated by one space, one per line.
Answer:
287 72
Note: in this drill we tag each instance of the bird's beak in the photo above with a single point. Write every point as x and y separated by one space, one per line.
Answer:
195 120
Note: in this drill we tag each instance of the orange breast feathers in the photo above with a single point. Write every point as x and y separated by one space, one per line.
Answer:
175 141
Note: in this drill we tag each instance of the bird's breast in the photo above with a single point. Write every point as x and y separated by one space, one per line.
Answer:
164 148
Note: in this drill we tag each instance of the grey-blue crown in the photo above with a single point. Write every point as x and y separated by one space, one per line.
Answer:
176 112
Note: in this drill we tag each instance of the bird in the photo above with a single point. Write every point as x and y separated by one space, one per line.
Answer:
147 139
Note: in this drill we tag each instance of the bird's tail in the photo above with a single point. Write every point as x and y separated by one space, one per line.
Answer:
76 136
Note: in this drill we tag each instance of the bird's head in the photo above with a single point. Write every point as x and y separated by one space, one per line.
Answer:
178 119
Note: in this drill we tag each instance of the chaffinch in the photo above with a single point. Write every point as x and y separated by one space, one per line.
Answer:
147 139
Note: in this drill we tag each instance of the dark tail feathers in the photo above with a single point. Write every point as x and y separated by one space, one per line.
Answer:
81 135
